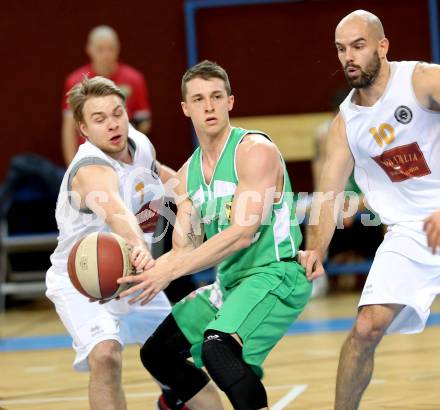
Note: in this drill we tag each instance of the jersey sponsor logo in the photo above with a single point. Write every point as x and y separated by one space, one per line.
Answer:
404 162
403 114
147 218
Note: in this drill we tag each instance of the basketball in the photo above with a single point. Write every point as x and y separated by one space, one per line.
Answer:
96 262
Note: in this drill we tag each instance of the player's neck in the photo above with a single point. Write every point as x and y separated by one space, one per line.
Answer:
368 96
212 145
123 156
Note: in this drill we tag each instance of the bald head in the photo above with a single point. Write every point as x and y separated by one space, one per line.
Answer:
102 32
364 21
103 50
362 48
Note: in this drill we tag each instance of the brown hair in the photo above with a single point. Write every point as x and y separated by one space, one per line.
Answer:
87 88
205 70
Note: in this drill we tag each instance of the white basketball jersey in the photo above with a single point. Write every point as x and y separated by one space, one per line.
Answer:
139 186
396 149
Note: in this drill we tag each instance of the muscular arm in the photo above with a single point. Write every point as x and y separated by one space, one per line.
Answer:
69 144
258 166
98 188
335 172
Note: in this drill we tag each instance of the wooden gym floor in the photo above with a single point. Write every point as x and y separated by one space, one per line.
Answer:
36 372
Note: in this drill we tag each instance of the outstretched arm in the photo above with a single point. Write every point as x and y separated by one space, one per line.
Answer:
258 166
337 168
98 188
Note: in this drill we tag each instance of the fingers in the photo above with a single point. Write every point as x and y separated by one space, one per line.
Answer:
316 274
132 279
131 290
150 264
312 264
141 258
432 229
137 298
144 296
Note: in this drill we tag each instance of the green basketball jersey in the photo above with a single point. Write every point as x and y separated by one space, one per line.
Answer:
277 238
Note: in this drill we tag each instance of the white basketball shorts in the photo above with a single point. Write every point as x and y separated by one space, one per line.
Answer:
91 323
404 272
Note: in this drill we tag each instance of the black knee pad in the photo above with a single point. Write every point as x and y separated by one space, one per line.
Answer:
222 357
165 355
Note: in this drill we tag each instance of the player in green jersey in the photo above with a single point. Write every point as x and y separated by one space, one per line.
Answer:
235 191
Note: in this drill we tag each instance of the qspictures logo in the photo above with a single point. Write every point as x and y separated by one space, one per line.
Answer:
404 162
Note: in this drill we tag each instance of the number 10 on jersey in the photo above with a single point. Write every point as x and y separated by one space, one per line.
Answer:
385 134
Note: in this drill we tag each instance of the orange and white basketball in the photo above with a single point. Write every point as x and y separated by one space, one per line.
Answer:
96 262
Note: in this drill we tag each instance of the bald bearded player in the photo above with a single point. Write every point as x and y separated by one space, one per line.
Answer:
388 130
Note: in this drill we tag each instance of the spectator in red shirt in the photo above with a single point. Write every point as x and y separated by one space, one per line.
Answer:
103 50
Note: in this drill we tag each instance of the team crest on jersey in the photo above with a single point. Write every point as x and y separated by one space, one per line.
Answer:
403 114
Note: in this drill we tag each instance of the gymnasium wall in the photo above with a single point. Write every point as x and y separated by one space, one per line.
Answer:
44 40
280 57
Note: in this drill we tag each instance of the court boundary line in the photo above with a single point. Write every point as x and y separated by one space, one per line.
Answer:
289 397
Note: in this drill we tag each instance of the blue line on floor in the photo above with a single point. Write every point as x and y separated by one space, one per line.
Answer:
303 327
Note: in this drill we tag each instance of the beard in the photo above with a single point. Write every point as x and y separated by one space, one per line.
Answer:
367 77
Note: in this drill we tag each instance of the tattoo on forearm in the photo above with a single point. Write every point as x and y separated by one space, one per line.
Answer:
191 235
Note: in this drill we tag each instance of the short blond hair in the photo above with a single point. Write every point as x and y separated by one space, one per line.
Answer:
90 87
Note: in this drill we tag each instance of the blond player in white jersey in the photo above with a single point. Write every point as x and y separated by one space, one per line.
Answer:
113 184
388 129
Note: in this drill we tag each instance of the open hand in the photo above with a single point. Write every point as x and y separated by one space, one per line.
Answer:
150 282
